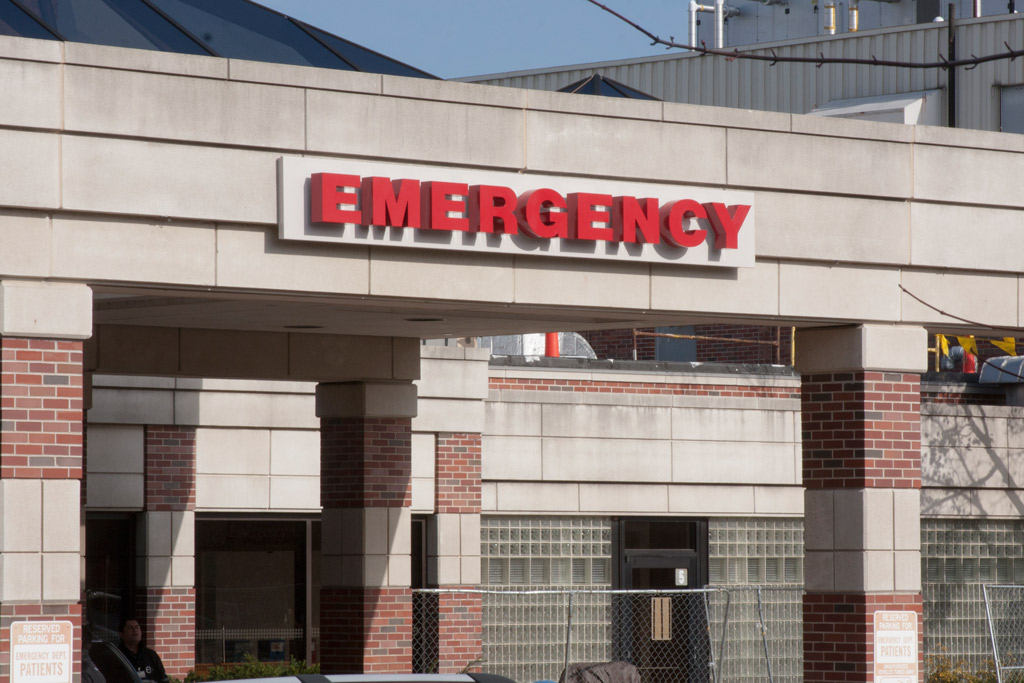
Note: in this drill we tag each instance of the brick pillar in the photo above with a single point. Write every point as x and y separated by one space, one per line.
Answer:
454 549
40 480
168 547
860 404
365 492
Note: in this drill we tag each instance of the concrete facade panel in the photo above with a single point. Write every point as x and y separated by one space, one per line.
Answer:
423 455
38 104
633 148
582 283
962 429
115 448
744 290
109 175
934 227
303 76
232 451
830 228
442 275
700 424
294 493
341 356
253 257
449 415
745 462
949 173
229 409
995 303
512 457
174 107
21 526
87 54
625 498
21 576
607 422
779 500
622 460
400 128
108 249
295 452
232 353
820 164
232 492
452 379
711 500
61 572
824 290
27 238
422 495
968 467
61 508
936 502
29 169
529 497
512 419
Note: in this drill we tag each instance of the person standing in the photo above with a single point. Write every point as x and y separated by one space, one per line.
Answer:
146 662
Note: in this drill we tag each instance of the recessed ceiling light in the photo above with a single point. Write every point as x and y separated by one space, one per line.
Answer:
424 320
303 327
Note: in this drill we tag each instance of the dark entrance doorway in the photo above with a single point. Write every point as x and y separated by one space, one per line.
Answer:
665 635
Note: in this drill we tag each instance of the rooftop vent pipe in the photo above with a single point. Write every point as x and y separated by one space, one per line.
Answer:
830 17
722 12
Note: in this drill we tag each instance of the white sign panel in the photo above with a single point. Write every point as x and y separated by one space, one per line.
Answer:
895 647
41 651
479 211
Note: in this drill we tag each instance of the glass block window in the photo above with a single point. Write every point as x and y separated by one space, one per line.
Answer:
958 556
546 551
755 551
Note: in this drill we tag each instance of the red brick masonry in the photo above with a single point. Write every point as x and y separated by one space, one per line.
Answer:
365 630
170 627
839 633
861 430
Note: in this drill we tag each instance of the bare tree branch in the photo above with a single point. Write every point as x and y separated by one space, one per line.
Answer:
774 59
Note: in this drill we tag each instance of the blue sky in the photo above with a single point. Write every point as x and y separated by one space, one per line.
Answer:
451 38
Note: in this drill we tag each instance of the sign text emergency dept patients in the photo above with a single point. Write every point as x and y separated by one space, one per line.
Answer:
468 210
895 647
41 652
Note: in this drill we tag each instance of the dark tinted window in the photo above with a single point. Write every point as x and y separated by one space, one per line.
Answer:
121 23
238 29
658 535
16 22
364 59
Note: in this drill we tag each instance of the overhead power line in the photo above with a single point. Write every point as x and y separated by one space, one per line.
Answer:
775 58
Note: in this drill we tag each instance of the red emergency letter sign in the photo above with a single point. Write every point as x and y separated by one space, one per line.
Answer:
327 191
675 217
726 223
395 204
437 202
491 207
630 214
585 209
536 217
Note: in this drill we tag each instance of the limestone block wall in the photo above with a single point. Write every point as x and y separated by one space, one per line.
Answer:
602 441
972 461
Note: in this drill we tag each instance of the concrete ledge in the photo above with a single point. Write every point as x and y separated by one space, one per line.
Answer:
46 310
366 399
861 347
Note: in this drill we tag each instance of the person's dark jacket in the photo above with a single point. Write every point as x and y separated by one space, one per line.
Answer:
147 663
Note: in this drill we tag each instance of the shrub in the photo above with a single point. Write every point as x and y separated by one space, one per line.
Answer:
252 668
944 670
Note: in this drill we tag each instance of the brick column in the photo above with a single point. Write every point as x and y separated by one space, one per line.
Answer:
861 417
365 492
40 477
453 549
168 546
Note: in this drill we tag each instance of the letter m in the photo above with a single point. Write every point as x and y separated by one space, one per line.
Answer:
391 203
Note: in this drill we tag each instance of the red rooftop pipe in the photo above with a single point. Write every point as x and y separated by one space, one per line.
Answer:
551 345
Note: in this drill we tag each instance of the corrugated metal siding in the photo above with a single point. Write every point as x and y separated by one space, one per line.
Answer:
799 88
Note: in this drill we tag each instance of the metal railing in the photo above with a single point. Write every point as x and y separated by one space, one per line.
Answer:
712 635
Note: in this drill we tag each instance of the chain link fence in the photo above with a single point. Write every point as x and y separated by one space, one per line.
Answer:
742 634
1004 606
